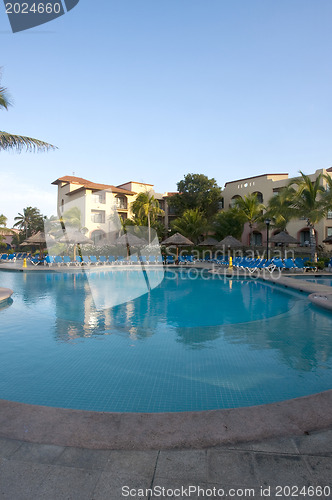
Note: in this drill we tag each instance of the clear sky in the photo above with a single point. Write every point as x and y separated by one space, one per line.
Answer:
150 90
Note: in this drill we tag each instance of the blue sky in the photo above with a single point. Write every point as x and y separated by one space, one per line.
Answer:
150 90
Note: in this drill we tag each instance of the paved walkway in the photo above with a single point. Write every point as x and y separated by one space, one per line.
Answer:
40 471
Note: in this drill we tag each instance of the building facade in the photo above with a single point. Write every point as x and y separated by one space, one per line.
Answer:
98 203
266 186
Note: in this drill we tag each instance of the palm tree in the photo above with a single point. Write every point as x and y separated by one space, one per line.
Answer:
310 203
250 208
30 221
146 208
18 142
281 208
191 224
4 231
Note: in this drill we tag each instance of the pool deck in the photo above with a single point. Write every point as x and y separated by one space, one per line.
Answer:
60 454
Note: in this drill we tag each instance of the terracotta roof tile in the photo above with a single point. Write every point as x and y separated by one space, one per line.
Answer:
90 185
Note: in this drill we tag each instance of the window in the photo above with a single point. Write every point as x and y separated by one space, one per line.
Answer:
233 200
259 196
305 238
329 214
98 197
121 202
329 231
98 216
256 239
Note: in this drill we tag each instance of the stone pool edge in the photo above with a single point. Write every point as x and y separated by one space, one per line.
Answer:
5 294
143 431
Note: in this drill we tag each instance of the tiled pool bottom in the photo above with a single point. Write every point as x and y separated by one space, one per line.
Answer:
253 345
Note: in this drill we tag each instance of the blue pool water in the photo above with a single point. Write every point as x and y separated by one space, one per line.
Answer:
321 280
191 343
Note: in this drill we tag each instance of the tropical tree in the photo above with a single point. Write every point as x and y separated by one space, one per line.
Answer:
250 208
191 224
18 142
310 203
228 223
4 231
146 210
281 208
197 191
30 221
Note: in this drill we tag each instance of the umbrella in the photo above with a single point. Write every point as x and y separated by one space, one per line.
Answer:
177 240
208 242
75 237
130 240
284 239
37 239
328 239
229 242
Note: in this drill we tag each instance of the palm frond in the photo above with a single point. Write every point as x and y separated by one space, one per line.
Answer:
5 101
20 143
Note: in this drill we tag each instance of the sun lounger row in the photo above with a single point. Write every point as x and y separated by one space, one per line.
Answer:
252 265
12 257
92 260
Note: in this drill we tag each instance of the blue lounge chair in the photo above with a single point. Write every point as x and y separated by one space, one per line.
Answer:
133 259
67 260
111 259
86 260
182 260
58 260
159 260
36 261
11 257
152 259
170 259
120 260
290 264
279 264
78 260
103 260
93 260
143 259
49 260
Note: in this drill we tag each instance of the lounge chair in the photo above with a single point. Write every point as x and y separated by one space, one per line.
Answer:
143 259
152 259
279 264
78 260
58 260
11 257
170 259
85 260
67 260
36 261
182 260
120 260
290 264
159 260
93 260
103 260
111 259
49 260
133 259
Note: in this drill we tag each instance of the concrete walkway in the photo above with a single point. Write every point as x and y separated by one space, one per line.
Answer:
41 471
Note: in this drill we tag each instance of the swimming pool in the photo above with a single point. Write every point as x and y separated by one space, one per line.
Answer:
320 280
194 342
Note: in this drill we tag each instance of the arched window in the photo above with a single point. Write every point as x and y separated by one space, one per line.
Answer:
233 200
259 196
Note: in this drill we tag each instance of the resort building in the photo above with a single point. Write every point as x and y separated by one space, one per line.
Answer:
266 186
97 203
